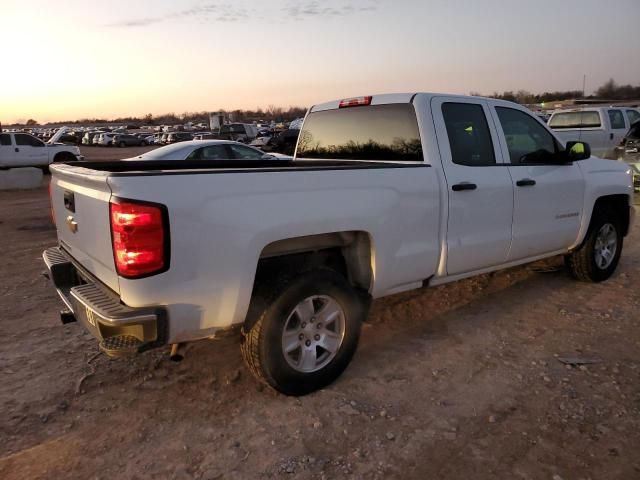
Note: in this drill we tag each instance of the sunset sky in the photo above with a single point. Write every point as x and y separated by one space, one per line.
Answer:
68 59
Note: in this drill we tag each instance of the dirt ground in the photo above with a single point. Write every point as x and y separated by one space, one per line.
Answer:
461 381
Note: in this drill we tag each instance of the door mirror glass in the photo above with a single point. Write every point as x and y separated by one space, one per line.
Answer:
578 151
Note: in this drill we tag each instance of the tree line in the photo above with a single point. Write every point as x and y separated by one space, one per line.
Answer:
610 90
271 113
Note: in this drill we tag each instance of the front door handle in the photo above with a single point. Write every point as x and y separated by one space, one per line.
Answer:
458 187
17 149
526 182
611 136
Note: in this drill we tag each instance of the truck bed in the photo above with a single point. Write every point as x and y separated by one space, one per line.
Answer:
220 225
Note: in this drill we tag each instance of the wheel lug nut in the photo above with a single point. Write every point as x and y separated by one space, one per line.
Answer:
301 337
313 319
319 325
307 343
317 337
304 324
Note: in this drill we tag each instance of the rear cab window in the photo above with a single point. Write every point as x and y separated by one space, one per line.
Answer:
369 132
5 139
469 135
585 119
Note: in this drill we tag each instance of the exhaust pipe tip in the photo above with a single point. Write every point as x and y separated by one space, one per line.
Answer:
177 352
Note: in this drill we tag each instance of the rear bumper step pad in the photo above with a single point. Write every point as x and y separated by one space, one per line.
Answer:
122 330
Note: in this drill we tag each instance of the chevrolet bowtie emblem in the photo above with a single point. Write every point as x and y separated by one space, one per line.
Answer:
72 224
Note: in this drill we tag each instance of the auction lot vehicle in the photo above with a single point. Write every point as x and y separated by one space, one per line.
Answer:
207 150
127 140
385 194
629 152
25 150
240 132
602 127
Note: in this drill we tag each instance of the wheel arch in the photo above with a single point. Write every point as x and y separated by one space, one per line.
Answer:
618 203
350 253
64 157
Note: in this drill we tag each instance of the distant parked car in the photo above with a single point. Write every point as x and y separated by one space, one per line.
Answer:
146 138
629 152
602 127
127 140
106 139
87 138
285 142
206 136
24 150
240 132
175 137
207 150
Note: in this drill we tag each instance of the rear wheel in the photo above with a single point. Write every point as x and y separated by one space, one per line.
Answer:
598 257
305 333
122 144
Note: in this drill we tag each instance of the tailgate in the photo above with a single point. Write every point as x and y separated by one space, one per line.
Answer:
80 200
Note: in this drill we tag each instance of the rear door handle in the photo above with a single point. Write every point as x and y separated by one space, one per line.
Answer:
458 187
17 149
526 182
611 136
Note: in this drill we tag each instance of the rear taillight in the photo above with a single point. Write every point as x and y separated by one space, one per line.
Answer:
53 213
140 237
355 102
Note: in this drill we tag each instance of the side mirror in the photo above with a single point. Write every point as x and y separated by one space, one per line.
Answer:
578 151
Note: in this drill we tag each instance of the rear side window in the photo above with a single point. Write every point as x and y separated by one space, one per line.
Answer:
211 152
372 132
616 118
469 136
5 139
246 153
575 120
633 115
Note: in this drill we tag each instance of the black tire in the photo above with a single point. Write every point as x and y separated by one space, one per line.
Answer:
122 144
270 308
582 262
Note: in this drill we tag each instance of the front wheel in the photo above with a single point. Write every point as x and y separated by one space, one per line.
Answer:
305 333
598 257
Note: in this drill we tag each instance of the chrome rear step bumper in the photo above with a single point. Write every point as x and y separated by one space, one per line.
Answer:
122 330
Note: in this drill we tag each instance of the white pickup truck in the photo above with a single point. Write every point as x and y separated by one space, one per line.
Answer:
602 128
19 149
385 194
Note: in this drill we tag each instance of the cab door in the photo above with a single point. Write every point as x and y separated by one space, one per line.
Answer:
7 150
548 195
31 150
479 188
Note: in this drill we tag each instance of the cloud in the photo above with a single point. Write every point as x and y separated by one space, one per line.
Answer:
210 11
302 10
222 11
